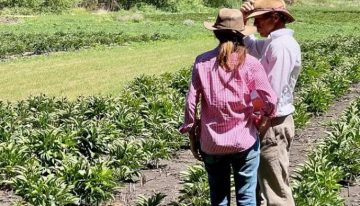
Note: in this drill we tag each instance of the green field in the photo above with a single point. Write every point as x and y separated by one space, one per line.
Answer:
104 70
95 71
62 149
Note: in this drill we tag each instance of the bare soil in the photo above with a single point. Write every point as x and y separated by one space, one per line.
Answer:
9 20
7 198
166 179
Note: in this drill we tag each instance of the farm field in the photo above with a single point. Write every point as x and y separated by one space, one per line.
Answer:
90 104
96 71
149 38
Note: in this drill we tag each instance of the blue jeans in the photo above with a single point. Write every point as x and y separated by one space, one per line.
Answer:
245 165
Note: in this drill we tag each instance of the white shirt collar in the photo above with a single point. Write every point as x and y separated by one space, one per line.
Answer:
281 32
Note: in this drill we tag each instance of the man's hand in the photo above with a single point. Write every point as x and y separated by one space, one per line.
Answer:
247 7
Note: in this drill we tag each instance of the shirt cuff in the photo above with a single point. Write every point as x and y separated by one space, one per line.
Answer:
185 128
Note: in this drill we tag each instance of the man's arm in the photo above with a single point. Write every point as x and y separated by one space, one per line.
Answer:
254 46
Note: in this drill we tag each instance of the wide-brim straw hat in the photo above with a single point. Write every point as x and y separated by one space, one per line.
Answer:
230 19
265 6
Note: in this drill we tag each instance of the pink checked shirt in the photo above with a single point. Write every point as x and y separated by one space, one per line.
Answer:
226 107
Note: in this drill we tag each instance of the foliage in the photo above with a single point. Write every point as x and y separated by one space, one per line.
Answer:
154 200
195 191
40 5
223 3
334 160
82 147
14 44
315 183
39 189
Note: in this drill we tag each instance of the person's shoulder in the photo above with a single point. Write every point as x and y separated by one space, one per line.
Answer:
251 64
285 41
251 61
206 56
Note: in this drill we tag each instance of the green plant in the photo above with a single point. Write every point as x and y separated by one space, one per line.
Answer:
332 161
195 189
127 159
301 115
38 189
153 200
12 155
315 183
92 184
318 97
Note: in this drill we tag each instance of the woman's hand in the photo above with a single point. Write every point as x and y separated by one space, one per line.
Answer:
263 125
195 149
194 136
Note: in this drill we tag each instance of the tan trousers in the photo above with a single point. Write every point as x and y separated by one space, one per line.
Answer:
274 163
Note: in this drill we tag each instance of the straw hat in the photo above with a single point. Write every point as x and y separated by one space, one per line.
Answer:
230 19
264 6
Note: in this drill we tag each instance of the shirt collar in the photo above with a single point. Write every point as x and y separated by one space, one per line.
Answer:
281 32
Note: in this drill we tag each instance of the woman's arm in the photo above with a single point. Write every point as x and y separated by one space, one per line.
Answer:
190 122
192 99
260 83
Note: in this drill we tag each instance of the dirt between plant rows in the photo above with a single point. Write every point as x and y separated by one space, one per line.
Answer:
166 179
9 20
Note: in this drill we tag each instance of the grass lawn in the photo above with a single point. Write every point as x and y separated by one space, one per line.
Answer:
106 70
95 71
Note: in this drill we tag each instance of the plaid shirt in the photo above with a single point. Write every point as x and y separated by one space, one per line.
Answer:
227 124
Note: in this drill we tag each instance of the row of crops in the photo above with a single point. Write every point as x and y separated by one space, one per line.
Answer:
317 182
59 152
40 35
17 44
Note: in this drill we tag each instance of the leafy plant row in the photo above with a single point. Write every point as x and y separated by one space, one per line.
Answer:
69 153
17 44
329 68
75 152
335 160
39 5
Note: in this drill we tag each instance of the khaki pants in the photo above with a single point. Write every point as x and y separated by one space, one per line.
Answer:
274 163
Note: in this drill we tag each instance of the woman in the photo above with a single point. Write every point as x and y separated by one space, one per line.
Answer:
224 80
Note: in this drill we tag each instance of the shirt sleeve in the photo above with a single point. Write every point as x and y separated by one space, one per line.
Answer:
192 99
280 62
260 83
254 46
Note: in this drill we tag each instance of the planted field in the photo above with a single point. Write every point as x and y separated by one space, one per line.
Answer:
81 149
100 112
102 70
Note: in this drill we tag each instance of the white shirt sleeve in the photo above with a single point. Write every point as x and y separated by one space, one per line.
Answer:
254 46
280 61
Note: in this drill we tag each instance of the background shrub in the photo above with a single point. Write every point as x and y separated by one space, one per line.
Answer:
40 5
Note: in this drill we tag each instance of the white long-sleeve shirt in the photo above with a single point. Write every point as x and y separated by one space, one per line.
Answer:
280 55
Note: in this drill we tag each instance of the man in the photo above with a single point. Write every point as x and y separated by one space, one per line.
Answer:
280 55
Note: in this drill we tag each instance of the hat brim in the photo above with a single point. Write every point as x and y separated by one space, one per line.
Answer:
290 18
248 30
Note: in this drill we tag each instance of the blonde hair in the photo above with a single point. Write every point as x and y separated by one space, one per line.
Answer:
230 43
